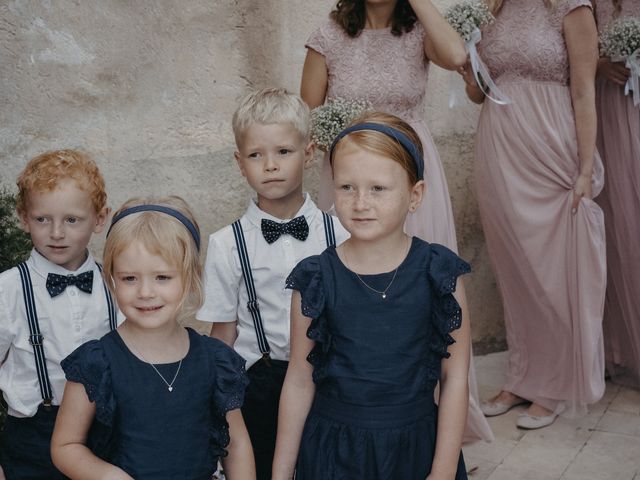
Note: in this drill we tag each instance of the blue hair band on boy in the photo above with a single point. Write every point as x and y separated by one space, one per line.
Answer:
159 208
397 135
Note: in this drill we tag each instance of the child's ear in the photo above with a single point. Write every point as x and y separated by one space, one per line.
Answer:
101 219
308 154
416 195
236 155
22 216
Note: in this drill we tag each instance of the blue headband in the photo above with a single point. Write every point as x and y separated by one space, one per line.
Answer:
159 208
397 135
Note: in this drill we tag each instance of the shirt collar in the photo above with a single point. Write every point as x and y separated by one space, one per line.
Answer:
255 215
43 266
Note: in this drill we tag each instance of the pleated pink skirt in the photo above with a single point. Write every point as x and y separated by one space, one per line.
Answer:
549 263
619 145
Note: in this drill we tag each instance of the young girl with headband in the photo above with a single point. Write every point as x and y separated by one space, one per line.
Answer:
375 325
152 399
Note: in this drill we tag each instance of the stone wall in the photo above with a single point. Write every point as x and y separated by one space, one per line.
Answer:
148 88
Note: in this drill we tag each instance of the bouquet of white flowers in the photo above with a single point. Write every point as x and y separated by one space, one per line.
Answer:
328 120
621 42
467 18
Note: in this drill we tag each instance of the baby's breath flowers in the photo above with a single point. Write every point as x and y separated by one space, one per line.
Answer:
468 15
621 39
328 120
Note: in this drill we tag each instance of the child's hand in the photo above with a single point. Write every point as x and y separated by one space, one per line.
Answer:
2 477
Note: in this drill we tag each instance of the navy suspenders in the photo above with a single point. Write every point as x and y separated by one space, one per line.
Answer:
36 338
252 305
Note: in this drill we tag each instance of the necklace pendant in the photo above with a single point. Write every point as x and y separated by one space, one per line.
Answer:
384 295
170 388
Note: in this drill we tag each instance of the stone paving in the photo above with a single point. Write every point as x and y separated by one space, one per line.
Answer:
603 445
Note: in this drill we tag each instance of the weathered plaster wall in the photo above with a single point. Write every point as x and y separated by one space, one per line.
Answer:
148 88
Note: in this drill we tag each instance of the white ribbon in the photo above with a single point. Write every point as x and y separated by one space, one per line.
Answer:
481 72
633 82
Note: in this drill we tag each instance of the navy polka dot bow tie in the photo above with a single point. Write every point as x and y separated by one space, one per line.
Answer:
57 283
297 228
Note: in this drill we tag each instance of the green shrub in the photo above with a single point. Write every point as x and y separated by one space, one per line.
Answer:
15 246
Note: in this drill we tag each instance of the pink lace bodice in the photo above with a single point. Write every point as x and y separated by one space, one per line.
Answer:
526 42
606 12
389 72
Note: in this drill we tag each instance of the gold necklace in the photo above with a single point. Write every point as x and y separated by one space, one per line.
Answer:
382 293
169 385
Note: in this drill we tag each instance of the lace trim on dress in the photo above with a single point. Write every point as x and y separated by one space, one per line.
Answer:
306 278
446 315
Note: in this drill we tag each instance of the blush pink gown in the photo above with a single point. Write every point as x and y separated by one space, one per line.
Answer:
390 72
619 145
549 263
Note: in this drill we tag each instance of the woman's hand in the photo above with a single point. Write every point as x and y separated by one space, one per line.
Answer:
615 72
582 188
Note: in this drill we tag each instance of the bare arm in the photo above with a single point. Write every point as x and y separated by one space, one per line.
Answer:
474 92
315 79
238 464
297 395
442 44
581 37
454 398
225 331
68 443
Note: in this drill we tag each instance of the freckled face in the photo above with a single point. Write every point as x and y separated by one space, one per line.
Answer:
372 193
61 222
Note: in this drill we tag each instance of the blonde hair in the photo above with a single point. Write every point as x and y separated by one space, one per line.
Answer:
496 5
272 105
46 171
162 235
382 144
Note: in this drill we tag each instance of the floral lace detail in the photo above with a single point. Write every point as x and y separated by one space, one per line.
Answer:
88 366
446 315
526 42
306 278
387 71
606 12
231 381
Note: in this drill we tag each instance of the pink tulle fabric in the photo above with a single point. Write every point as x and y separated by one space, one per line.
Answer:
549 263
619 145
390 72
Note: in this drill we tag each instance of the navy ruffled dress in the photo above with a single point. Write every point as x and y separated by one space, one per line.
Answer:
142 427
376 364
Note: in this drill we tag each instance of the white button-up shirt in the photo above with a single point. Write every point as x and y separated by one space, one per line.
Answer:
66 322
225 293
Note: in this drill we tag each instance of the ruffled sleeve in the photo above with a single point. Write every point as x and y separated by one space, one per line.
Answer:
229 384
89 366
306 278
446 316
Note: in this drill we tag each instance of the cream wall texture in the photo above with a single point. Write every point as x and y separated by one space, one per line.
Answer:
148 88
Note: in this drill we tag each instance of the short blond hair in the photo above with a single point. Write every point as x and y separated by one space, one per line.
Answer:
46 171
382 144
272 105
162 235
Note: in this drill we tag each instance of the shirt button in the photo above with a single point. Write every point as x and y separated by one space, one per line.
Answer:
287 242
73 293
78 327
